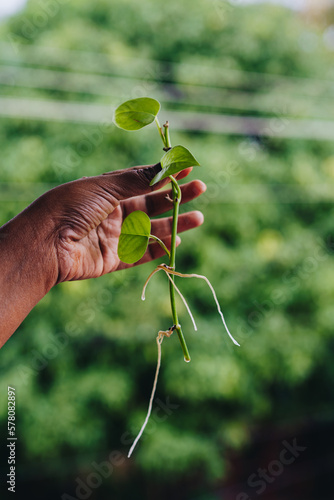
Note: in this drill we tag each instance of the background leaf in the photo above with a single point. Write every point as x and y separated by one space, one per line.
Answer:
175 160
136 113
134 237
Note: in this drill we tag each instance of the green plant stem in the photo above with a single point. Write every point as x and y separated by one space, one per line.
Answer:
167 138
176 202
161 243
160 132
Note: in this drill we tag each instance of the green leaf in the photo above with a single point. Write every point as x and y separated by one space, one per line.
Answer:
175 160
134 237
136 113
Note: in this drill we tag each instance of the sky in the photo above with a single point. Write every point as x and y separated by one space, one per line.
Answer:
9 7
295 4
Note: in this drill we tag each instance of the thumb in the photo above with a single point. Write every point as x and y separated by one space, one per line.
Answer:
131 182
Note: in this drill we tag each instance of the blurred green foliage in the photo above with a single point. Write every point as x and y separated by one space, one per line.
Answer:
83 361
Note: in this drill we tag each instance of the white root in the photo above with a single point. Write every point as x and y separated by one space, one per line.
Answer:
168 270
148 279
160 338
164 267
183 299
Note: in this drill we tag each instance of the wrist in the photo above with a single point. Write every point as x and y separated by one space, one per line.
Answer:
28 267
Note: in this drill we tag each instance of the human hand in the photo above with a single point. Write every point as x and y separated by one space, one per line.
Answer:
86 218
72 231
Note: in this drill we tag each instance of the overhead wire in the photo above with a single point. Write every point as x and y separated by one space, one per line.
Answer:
99 114
174 93
109 77
188 72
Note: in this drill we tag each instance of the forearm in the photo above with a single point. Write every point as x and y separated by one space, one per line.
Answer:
27 270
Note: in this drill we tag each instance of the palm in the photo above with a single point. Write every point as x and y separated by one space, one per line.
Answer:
95 253
91 225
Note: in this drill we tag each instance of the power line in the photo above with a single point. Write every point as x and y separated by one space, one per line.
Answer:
181 94
188 73
97 114
47 110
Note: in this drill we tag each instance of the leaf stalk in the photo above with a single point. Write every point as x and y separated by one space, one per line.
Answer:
162 135
161 243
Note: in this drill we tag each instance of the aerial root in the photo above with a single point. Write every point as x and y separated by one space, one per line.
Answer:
183 299
147 281
161 334
169 270
160 337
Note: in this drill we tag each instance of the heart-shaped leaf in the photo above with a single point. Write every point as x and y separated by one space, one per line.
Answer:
134 237
136 113
175 160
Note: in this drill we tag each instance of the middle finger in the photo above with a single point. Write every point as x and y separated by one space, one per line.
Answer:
159 202
162 227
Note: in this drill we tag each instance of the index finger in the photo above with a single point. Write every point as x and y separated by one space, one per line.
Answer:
131 182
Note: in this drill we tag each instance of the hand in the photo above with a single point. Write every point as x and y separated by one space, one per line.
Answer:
72 232
88 216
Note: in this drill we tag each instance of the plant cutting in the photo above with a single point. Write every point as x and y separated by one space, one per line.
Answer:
136 229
